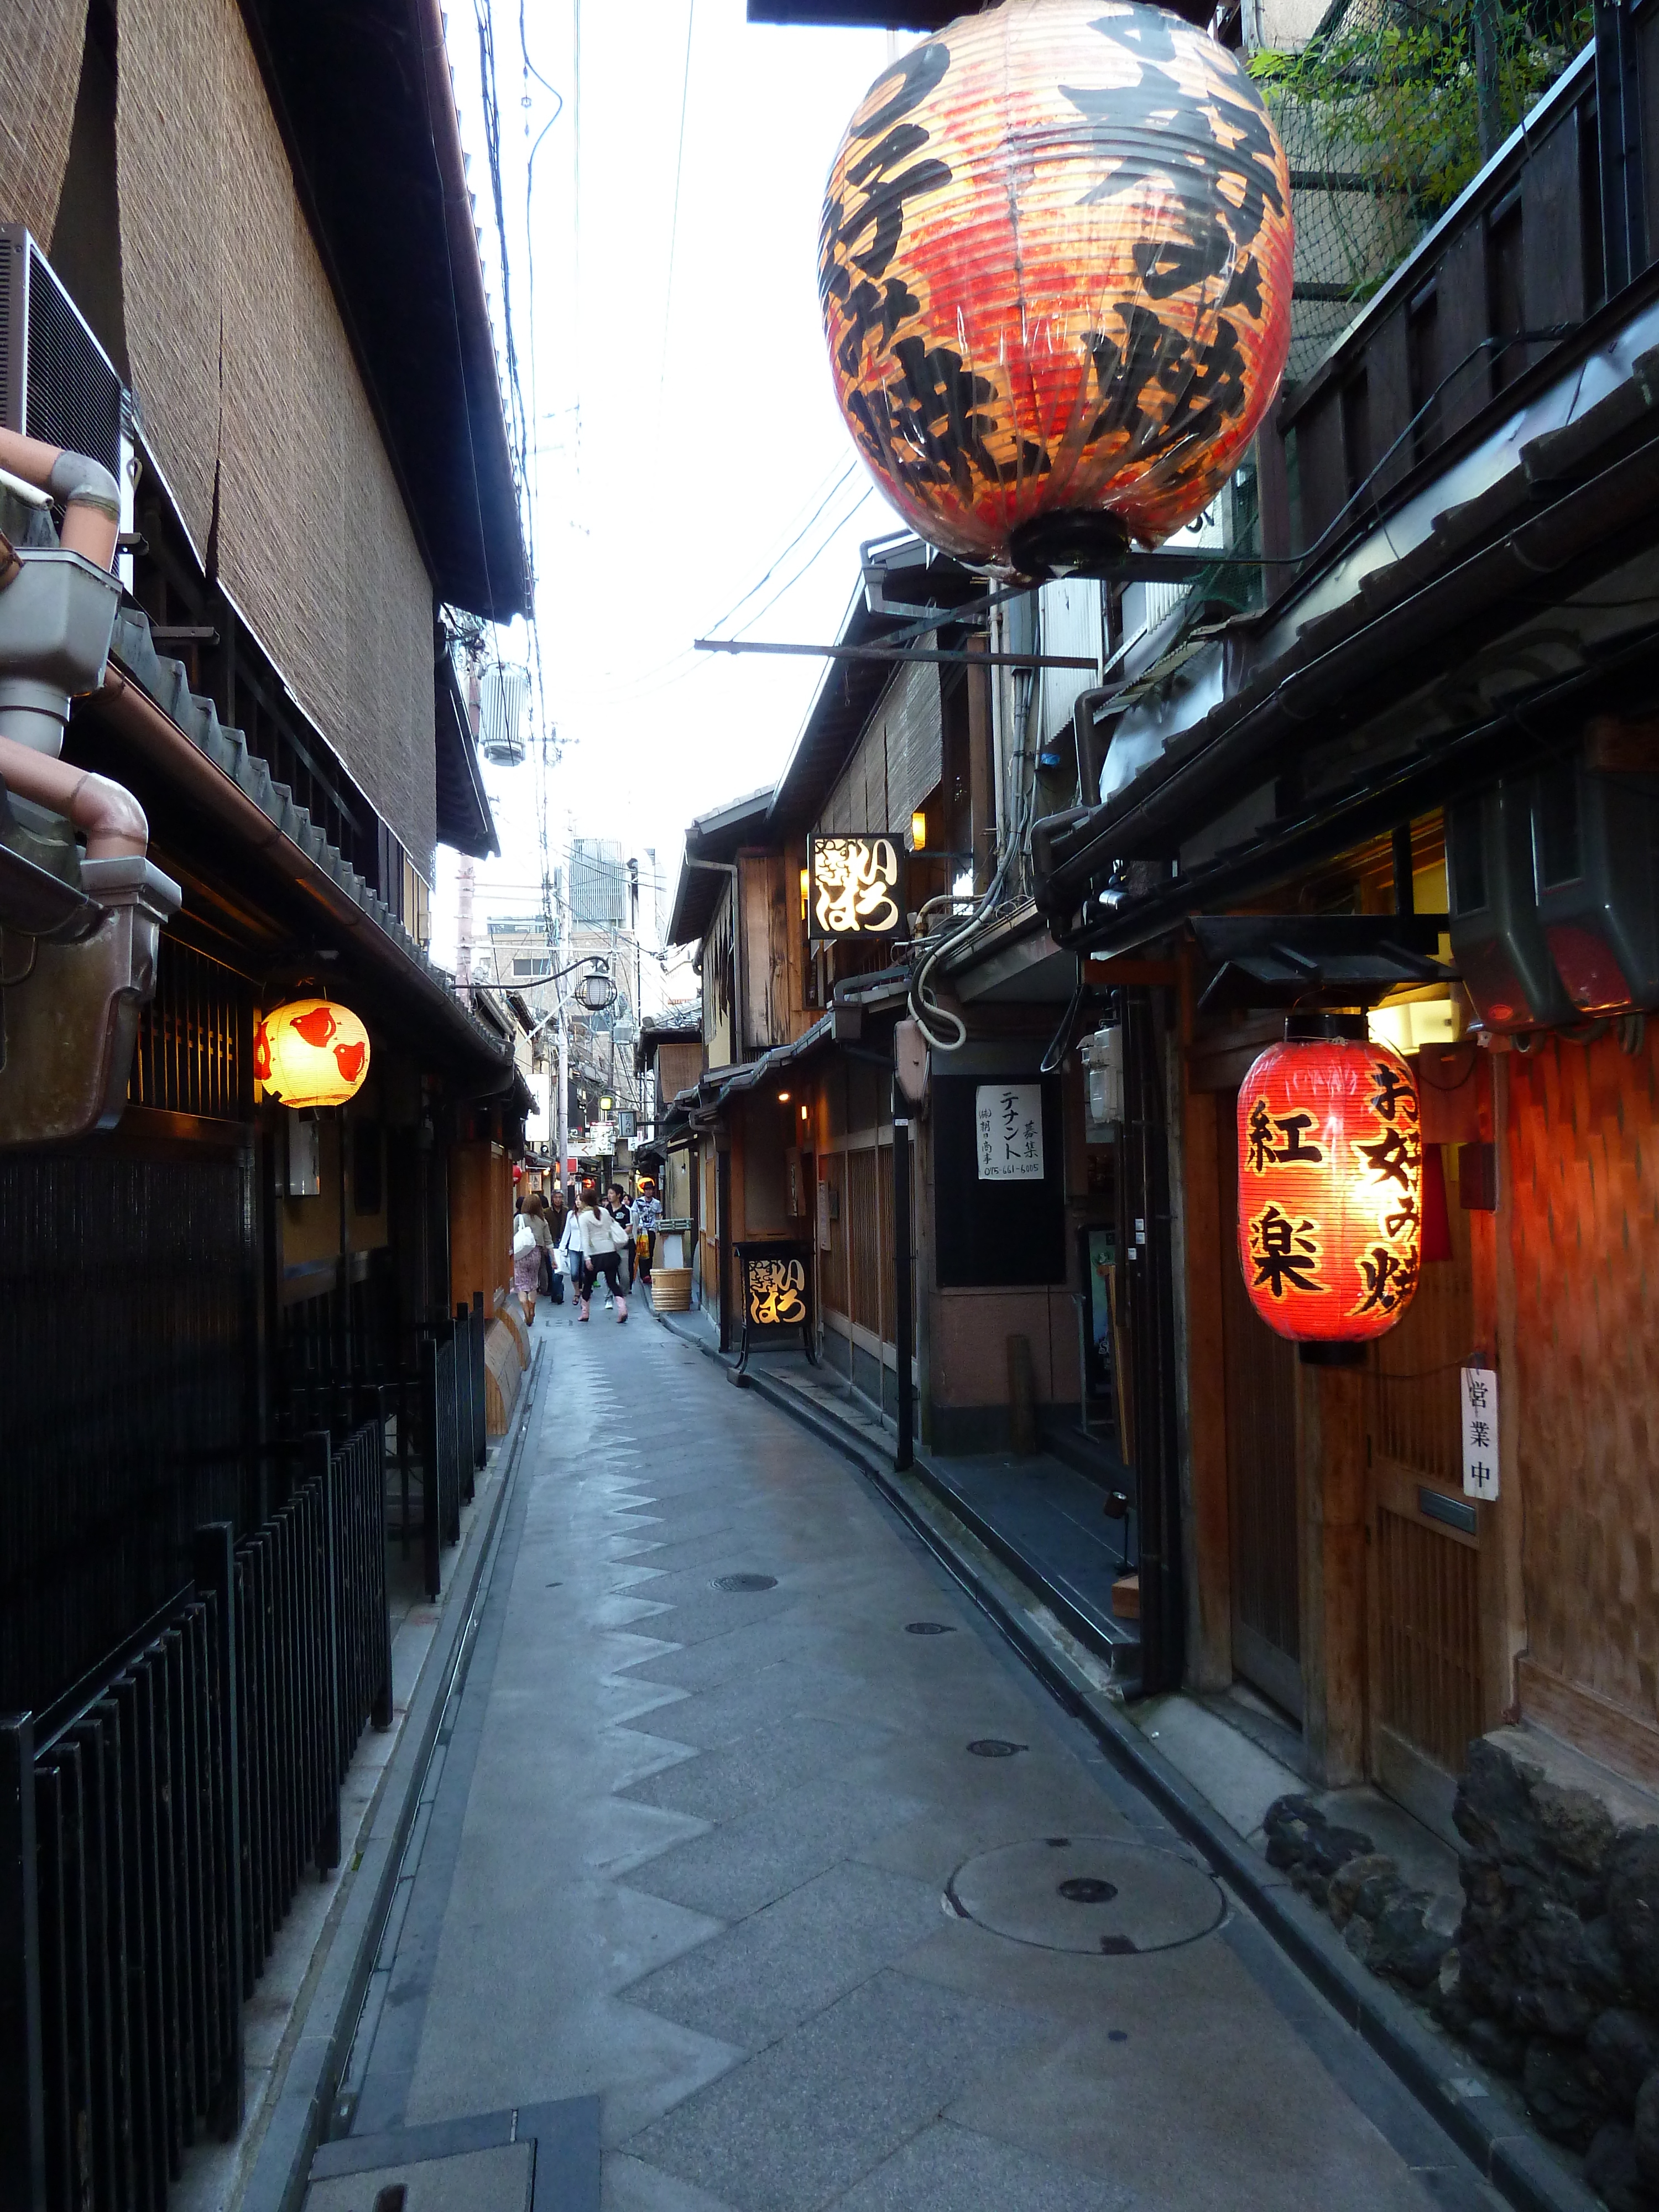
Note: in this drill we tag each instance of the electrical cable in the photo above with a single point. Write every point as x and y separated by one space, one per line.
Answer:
679 165
778 561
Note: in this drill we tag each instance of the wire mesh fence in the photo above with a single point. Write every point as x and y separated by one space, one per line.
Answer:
1386 114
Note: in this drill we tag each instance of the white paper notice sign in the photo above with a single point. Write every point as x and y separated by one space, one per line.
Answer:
1480 1394
1009 1120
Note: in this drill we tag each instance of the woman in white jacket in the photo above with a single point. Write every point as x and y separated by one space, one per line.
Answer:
602 1241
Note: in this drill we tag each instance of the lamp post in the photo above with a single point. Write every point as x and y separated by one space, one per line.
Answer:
596 991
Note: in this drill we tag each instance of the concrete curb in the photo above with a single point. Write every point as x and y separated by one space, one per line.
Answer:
1445 2080
281 2171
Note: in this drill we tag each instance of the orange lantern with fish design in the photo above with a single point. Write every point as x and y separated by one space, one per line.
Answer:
312 1052
1054 266
1330 1171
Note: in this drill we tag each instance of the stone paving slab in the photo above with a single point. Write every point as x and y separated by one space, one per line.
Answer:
699 1863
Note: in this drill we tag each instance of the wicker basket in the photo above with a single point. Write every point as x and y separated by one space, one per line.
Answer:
671 1290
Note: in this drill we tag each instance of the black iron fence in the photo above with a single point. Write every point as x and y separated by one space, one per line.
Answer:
154 1824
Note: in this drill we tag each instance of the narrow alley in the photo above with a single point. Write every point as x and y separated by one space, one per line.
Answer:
750 1827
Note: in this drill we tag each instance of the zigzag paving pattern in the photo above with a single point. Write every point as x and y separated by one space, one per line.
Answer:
719 1857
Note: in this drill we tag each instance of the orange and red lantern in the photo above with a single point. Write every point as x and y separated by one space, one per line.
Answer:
1054 265
1330 1186
312 1052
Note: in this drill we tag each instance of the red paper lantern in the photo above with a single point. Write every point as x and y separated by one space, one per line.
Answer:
311 1052
1330 1166
1054 265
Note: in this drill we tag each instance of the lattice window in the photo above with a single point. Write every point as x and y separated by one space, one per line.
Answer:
1431 1638
194 1038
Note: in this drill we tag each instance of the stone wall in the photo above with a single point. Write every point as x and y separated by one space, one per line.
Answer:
1548 1967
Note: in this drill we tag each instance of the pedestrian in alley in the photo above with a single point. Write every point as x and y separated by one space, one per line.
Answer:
568 1254
601 1242
647 1213
617 1207
531 1238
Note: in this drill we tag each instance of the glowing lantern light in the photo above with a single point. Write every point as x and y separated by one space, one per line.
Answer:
1054 266
1330 1168
311 1052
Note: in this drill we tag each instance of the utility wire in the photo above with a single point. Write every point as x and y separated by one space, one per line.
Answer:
679 165
761 583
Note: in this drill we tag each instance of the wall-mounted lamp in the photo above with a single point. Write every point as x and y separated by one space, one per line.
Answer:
783 1098
803 1113
918 830
806 890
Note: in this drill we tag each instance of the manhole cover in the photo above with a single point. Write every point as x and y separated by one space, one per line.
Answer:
1116 1898
746 1582
994 1747
928 1628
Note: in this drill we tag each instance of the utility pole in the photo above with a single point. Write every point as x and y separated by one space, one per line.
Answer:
560 1118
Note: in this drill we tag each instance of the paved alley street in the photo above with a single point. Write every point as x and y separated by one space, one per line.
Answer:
747 1825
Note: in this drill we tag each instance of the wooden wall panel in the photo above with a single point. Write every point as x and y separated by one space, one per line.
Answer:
1582 1157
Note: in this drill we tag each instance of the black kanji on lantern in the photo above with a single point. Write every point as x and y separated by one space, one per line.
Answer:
1394 1158
1286 1252
1389 1279
1280 1138
1393 1091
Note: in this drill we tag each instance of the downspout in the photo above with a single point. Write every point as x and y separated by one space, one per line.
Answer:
112 819
89 494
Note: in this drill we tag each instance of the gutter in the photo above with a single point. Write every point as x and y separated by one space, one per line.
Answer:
159 740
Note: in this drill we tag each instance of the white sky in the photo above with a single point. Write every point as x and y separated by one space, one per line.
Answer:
681 443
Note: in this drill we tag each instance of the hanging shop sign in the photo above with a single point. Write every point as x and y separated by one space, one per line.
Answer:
1477 1387
1008 1130
312 1052
856 887
1054 269
1330 1166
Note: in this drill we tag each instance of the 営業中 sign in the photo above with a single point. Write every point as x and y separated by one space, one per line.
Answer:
1008 1126
1479 1392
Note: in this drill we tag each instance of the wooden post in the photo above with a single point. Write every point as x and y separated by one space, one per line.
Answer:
1331 1448
1502 1592
1021 1399
1208 1249
22 2108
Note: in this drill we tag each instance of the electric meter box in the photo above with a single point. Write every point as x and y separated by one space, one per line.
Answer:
1596 859
1103 1062
1498 939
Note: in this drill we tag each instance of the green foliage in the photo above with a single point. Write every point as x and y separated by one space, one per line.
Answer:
1400 93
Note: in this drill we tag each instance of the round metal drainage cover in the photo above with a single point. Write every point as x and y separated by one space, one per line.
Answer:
1087 1894
994 1747
928 1628
746 1582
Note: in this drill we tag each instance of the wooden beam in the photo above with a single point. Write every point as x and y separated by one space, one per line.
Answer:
1127 967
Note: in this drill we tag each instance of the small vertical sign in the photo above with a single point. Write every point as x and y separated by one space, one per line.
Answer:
1008 1121
1480 1394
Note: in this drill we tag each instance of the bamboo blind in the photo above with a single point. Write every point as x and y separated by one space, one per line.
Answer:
40 72
897 762
1584 1167
246 387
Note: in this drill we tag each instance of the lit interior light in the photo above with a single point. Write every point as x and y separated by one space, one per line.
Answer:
918 830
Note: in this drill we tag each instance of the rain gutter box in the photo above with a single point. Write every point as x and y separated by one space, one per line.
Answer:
56 619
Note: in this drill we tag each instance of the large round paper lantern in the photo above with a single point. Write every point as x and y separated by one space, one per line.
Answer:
313 1052
1054 266
1330 1165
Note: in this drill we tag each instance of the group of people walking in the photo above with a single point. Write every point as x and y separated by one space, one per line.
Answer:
587 1240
